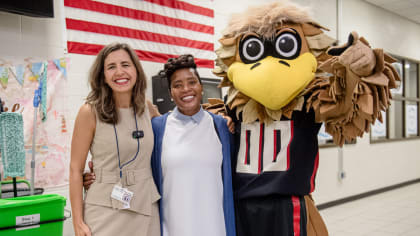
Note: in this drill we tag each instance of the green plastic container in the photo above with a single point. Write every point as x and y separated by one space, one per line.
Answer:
45 229
32 215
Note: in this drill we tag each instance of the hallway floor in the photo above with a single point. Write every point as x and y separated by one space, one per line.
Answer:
391 213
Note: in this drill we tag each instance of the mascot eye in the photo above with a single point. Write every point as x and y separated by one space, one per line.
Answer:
288 45
251 49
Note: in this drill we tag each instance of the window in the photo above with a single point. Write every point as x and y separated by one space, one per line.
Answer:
324 138
401 121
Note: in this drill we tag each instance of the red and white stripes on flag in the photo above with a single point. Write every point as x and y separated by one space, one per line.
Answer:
156 29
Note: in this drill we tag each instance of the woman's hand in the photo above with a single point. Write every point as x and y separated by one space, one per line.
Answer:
81 229
89 178
153 110
230 124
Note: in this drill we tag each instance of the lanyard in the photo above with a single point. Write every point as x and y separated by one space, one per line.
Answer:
118 150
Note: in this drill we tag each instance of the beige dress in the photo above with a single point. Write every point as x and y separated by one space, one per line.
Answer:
104 215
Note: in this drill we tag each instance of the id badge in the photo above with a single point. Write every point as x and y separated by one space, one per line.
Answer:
123 195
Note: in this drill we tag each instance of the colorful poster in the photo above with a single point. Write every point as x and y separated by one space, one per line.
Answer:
52 137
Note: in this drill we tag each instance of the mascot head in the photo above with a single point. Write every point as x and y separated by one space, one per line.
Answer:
269 55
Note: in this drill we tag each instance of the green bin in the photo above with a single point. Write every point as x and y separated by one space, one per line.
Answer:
35 215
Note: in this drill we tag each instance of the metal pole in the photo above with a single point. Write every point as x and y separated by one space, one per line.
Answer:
33 152
14 187
341 173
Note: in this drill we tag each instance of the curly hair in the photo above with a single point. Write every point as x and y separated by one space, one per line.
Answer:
100 97
174 64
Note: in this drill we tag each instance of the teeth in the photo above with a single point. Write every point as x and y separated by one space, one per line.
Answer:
187 98
121 80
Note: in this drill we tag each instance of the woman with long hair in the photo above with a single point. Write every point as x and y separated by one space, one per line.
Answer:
114 126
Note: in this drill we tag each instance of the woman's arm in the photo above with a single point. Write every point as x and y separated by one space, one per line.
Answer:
83 133
153 111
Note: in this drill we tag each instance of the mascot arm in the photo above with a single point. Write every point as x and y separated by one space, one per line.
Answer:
218 107
215 106
352 89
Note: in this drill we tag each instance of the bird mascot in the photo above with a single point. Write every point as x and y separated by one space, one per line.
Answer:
285 79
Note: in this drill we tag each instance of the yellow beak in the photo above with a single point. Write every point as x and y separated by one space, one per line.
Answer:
273 82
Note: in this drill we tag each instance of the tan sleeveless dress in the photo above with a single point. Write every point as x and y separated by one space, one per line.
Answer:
104 215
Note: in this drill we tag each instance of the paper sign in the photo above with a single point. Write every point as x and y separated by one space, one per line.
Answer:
411 119
323 136
379 129
28 219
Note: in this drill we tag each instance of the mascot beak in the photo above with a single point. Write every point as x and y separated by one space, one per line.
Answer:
273 82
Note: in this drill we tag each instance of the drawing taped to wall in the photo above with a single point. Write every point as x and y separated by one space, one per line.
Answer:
52 137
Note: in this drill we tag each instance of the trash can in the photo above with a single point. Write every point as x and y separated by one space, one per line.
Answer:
35 215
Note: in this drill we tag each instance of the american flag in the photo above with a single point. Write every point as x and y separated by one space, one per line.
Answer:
156 29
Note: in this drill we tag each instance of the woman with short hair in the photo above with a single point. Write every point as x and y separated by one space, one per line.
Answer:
191 160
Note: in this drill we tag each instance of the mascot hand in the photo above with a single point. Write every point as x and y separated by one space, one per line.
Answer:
356 54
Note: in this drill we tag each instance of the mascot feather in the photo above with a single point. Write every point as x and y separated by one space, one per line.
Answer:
285 79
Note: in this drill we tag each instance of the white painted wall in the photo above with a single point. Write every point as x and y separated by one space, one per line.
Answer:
382 29
368 166
22 37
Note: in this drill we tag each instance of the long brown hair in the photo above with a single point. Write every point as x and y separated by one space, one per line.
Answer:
100 97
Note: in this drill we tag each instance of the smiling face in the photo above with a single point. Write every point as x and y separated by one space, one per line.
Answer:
186 91
120 72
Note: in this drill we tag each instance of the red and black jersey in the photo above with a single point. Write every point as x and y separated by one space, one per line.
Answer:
280 158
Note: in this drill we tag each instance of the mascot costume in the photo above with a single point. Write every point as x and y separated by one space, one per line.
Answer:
285 79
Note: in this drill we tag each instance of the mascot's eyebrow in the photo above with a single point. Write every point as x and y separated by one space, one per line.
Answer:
255 65
288 29
284 63
250 34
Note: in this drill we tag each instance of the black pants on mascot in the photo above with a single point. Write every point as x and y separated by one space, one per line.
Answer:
266 216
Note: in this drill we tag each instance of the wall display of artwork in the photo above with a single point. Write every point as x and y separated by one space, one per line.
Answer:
18 83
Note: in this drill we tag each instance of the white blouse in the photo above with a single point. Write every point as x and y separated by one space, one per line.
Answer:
192 193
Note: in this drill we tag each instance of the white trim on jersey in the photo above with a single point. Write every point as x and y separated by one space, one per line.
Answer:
279 163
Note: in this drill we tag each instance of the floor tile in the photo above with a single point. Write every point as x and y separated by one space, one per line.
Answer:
391 213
